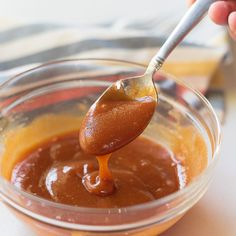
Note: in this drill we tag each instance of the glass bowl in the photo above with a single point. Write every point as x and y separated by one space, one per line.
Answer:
57 94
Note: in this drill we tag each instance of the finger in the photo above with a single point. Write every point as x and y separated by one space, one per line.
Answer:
232 34
220 11
232 24
190 2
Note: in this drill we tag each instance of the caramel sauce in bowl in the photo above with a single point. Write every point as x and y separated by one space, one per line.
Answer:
46 105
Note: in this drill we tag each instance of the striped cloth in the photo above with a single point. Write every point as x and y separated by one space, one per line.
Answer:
23 46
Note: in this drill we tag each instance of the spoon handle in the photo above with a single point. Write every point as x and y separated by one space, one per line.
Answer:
191 18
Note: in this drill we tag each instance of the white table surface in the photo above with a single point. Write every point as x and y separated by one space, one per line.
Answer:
215 214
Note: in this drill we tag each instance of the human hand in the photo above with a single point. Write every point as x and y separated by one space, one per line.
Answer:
223 13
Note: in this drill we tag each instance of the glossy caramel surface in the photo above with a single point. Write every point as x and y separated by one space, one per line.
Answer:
58 169
114 120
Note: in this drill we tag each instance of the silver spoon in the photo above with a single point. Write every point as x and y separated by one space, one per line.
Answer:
111 122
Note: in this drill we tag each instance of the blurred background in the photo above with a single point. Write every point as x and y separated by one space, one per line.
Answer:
33 32
89 11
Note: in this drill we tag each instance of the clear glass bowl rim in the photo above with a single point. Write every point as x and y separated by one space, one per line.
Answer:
148 205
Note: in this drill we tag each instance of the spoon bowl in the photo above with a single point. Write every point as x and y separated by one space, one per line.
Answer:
120 115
